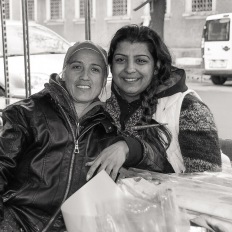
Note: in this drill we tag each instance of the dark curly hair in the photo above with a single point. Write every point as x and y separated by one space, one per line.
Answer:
163 61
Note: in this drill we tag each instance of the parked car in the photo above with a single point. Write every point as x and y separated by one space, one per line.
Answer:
217 47
47 51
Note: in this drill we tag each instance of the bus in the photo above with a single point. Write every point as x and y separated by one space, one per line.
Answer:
217 48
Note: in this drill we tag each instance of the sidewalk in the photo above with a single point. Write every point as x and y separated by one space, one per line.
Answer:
196 74
193 68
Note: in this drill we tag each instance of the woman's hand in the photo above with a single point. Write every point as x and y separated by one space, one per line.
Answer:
110 159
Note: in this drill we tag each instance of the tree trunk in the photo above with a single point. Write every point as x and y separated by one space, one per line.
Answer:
157 16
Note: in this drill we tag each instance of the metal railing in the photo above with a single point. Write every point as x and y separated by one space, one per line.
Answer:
26 48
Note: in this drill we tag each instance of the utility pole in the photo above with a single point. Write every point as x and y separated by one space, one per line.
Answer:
26 48
87 20
5 52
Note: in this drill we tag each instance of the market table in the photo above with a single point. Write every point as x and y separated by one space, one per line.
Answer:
205 193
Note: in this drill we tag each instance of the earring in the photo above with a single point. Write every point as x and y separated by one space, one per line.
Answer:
62 77
156 71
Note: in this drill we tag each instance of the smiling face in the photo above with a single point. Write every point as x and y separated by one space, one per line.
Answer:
132 69
84 76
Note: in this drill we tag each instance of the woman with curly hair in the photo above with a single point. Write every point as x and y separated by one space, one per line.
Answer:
146 90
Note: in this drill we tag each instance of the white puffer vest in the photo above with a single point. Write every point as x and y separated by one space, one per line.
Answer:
168 111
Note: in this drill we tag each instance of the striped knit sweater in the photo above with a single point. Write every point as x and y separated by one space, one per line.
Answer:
198 138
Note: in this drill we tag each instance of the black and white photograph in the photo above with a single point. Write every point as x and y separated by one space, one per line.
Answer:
115 116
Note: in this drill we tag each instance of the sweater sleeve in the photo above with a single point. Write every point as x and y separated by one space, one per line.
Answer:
135 151
154 158
145 155
198 136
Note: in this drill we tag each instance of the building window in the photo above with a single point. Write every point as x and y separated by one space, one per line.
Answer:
31 9
55 10
118 8
201 5
7 9
80 9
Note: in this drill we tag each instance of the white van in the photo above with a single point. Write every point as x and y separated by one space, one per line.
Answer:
217 47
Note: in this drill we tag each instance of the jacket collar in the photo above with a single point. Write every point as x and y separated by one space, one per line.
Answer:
175 84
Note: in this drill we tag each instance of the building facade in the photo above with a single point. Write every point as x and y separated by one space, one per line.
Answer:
183 19
184 22
67 17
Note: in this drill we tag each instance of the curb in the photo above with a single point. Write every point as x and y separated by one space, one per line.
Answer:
197 77
195 74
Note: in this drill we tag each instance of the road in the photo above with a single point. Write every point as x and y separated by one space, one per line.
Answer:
219 100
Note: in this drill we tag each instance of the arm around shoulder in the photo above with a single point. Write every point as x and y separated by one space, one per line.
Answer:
147 155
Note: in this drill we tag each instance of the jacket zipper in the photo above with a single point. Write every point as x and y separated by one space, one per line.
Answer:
76 147
70 170
77 143
76 151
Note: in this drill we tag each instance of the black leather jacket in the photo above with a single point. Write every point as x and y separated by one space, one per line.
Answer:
42 146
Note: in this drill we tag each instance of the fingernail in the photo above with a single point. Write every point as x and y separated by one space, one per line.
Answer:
87 177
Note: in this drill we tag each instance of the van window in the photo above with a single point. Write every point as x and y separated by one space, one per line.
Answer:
217 30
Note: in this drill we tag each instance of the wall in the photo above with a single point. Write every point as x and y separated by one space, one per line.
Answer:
102 28
183 34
